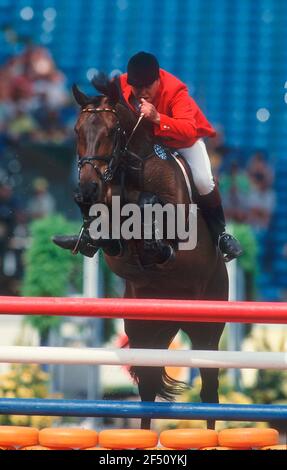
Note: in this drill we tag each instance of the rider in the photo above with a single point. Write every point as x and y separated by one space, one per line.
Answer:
178 121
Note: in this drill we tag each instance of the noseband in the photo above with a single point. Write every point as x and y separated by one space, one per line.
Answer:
119 138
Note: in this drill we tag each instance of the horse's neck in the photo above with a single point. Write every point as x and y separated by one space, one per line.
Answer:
142 141
164 177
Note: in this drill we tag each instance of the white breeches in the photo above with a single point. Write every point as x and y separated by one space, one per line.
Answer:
198 160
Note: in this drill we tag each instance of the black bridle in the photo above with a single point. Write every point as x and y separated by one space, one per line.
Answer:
119 146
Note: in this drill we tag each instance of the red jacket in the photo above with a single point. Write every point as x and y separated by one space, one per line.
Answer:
182 122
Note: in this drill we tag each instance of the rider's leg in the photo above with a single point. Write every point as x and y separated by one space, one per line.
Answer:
87 246
209 199
84 243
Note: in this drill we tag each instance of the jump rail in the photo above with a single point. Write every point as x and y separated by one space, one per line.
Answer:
148 309
144 357
119 409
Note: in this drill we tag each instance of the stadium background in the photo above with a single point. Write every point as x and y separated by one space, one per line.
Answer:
232 55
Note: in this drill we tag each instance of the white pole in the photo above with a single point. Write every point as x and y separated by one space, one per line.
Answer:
234 338
144 357
91 276
91 288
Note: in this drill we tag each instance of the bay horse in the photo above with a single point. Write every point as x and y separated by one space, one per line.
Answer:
108 166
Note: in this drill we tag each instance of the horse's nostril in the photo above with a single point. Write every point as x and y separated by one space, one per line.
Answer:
88 193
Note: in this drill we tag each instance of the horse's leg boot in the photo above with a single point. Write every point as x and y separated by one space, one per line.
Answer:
212 211
163 251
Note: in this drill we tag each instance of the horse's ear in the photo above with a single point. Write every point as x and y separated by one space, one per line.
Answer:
101 82
107 87
79 96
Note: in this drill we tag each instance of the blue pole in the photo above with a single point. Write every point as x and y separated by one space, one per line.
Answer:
103 408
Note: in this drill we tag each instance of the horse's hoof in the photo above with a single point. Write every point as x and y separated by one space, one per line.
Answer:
167 255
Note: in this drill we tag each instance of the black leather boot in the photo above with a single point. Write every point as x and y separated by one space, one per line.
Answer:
212 211
86 245
163 251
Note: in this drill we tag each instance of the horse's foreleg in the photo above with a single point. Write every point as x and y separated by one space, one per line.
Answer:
209 390
147 390
206 336
152 381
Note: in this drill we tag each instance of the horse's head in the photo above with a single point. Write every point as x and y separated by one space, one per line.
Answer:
100 141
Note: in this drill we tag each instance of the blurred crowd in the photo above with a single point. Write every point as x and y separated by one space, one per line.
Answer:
34 101
246 186
15 216
35 108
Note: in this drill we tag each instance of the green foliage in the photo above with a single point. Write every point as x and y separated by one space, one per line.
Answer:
25 381
49 270
244 233
270 386
248 260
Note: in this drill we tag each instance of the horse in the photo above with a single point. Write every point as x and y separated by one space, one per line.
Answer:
116 155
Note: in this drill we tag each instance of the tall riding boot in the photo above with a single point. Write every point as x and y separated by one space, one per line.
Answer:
86 245
212 211
83 243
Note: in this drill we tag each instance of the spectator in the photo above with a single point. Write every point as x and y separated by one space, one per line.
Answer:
42 202
258 167
33 94
235 187
22 125
261 202
8 214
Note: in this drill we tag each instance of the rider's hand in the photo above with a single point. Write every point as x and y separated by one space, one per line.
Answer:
149 111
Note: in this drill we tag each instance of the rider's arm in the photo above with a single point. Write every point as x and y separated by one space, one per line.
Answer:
186 120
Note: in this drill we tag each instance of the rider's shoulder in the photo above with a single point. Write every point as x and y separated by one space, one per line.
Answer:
170 82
